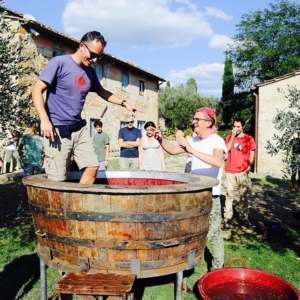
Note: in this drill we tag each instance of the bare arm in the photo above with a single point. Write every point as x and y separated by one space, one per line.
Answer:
129 144
106 155
141 153
171 149
110 97
162 158
230 142
251 160
215 159
47 128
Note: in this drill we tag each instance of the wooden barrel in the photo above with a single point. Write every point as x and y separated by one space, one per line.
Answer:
144 223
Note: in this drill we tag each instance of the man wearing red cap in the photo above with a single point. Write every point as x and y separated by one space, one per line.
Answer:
207 150
241 148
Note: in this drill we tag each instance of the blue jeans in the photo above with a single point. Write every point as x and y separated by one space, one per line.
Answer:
31 170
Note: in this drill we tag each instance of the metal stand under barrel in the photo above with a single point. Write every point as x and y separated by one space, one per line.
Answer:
179 284
43 280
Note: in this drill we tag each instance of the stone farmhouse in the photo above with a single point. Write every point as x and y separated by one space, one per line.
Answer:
268 99
128 81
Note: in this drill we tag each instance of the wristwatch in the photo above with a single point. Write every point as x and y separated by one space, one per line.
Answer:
122 103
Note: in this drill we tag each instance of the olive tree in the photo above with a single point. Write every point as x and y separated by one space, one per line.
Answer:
178 104
17 65
287 122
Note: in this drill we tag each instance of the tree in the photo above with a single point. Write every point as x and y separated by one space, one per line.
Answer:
192 85
287 122
17 54
267 44
226 103
178 104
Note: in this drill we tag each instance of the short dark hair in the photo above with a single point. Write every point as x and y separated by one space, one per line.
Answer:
241 120
148 124
98 123
93 35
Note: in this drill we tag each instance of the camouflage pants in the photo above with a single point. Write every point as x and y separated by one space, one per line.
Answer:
214 235
243 181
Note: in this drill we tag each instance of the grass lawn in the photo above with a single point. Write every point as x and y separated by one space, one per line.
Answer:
271 245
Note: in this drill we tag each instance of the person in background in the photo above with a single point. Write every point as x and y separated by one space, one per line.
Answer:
34 151
11 150
151 156
101 145
129 139
68 79
241 148
295 162
207 150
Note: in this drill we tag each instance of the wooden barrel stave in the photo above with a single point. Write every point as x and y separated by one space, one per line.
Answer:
144 231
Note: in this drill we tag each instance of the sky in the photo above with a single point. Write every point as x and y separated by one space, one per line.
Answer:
173 39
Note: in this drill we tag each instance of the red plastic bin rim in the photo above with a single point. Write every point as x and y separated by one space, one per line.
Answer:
248 275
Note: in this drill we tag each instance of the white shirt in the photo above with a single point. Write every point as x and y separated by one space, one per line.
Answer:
208 146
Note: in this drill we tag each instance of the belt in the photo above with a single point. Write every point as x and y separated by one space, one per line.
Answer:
66 130
215 196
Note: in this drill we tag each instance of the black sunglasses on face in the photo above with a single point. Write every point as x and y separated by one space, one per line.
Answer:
130 122
93 55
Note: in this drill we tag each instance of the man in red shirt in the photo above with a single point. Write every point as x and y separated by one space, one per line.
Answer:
241 148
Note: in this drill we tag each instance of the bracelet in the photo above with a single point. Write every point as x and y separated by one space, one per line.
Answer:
122 103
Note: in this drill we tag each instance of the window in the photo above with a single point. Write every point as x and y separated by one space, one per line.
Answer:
125 82
58 52
99 71
142 87
92 128
122 124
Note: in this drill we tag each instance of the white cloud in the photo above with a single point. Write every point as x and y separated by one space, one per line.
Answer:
217 13
220 42
150 24
207 76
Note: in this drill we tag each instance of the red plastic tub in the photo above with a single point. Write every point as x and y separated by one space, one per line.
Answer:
236 283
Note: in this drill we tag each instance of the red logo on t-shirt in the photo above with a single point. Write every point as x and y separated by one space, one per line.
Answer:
81 80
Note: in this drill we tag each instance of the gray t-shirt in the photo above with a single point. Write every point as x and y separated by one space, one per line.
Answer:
101 140
69 83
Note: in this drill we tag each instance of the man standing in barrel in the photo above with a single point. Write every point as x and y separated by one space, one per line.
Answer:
241 148
68 79
207 150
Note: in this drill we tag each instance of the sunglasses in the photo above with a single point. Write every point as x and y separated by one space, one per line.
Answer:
130 122
93 55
